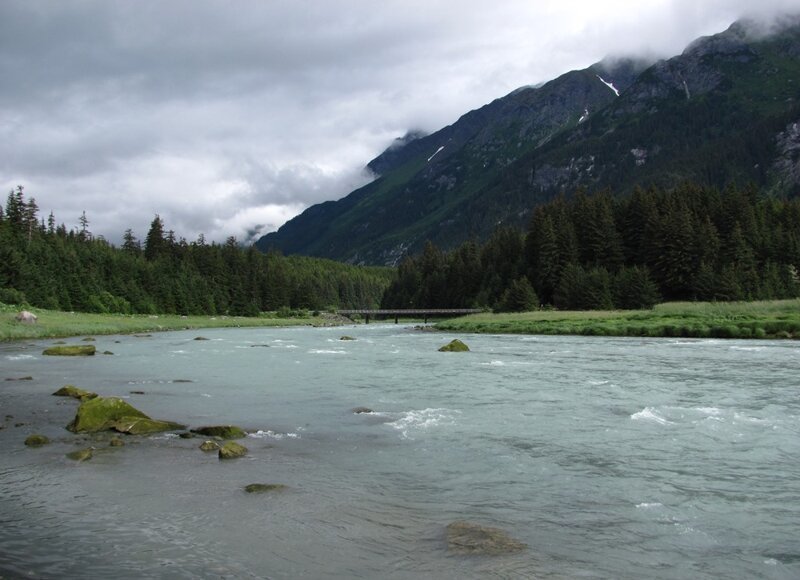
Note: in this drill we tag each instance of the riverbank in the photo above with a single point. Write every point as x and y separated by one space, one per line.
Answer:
768 319
57 324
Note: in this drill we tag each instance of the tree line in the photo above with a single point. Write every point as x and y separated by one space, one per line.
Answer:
602 252
44 265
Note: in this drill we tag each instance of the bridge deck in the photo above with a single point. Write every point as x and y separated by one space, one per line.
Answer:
406 312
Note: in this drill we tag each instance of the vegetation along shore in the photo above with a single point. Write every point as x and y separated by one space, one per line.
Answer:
765 319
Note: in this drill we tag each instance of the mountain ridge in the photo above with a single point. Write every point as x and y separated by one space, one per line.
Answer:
714 114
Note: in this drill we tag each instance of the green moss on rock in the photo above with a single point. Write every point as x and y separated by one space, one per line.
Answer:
81 454
209 446
144 426
75 393
71 350
232 450
36 440
100 413
470 538
221 431
455 346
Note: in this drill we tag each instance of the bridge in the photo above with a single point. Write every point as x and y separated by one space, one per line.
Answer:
425 313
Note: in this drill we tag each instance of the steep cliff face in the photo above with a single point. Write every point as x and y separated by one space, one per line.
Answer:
721 112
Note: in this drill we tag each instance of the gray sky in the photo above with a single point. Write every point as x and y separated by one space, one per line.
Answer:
224 117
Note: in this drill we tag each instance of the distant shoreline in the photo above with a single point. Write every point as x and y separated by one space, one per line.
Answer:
57 324
774 319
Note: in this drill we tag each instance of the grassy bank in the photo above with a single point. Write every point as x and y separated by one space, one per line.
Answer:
770 319
56 324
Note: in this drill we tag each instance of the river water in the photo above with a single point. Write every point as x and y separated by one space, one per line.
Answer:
609 457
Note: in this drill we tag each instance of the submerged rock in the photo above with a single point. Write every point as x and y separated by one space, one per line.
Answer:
264 487
36 440
221 431
107 352
232 450
144 426
100 413
347 338
186 435
455 346
89 339
75 393
71 350
116 442
209 446
81 454
200 338
29 378
359 410
470 538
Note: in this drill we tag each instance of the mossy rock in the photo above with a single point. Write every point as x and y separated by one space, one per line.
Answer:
221 431
81 454
36 440
71 350
116 442
100 413
89 339
209 446
455 346
474 539
108 352
232 450
264 487
75 393
144 426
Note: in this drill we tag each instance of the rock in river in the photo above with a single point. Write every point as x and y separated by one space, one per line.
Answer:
455 346
144 426
359 410
470 538
264 487
209 446
36 440
232 450
221 431
75 393
71 350
81 454
100 413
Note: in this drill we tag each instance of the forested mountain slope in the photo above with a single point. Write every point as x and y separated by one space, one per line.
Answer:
725 111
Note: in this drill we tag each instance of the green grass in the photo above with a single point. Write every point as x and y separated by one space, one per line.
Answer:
769 319
56 324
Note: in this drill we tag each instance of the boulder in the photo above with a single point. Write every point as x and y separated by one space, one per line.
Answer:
143 426
209 446
101 413
455 346
71 350
359 410
474 539
232 450
81 454
36 440
116 442
75 393
264 487
221 431
26 317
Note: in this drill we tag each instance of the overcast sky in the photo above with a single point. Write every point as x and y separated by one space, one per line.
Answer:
229 117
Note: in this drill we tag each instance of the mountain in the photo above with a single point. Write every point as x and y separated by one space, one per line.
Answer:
725 111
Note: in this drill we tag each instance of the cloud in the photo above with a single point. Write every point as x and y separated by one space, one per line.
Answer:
231 121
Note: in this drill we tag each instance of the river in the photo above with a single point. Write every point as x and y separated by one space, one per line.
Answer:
609 457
